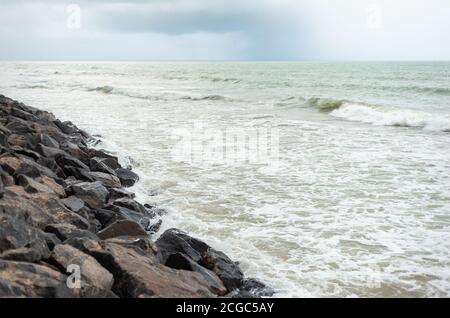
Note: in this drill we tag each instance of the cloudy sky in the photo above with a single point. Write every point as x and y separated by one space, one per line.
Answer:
225 29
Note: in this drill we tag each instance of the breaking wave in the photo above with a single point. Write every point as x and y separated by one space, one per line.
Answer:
383 116
114 91
102 89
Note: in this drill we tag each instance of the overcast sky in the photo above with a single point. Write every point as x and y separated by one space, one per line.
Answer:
225 29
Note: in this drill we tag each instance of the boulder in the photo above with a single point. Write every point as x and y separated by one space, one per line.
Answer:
122 228
28 170
140 276
94 193
103 165
173 242
49 151
10 163
68 160
53 185
73 203
91 271
118 193
127 177
108 180
19 241
32 186
48 141
65 231
18 279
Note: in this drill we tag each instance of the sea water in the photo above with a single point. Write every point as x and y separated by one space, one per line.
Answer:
356 201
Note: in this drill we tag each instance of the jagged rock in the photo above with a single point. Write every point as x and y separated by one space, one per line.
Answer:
181 261
48 151
19 241
30 154
123 213
131 204
10 163
6 178
88 291
106 165
94 194
17 140
81 174
127 177
64 231
108 180
140 276
73 203
38 209
28 170
23 115
74 150
19 125
32 186
118 193
52 184
122 228
174 242
256 288
91 271
18 279
2 188
48 141
68 160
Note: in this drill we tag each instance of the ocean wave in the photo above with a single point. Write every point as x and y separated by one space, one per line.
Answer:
220 79
36 86
324 104
119 92
102 89
383 116
203 98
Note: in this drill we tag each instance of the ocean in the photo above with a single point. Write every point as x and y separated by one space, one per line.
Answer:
351 199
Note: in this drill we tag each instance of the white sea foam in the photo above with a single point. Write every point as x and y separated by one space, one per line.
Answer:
382 116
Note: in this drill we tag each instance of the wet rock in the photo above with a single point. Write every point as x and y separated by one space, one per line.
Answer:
81 174
127 177
91 271
174 242
118 193
122 228
106 165
181 261
19 279
131 204
256 288
64 231
108 180
94 194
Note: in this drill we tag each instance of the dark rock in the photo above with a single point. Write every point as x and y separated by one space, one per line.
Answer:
122 228
68 160
64 231
131 205
48 141
81 174
108 180
127 177
19 279
28 170
107 217
48 151
181 261
91 271
176 242
19 126
53 185
153 228
73 203
23 115
19 241
123 213
88 291
25 152
6 178
140 276
106 165
256 288
94 194
32 186
118 193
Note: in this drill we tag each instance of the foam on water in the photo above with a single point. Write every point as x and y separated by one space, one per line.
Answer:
354 206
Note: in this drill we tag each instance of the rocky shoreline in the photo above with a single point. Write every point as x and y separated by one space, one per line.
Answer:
69 228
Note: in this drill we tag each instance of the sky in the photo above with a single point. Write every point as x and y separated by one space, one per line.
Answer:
225 30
